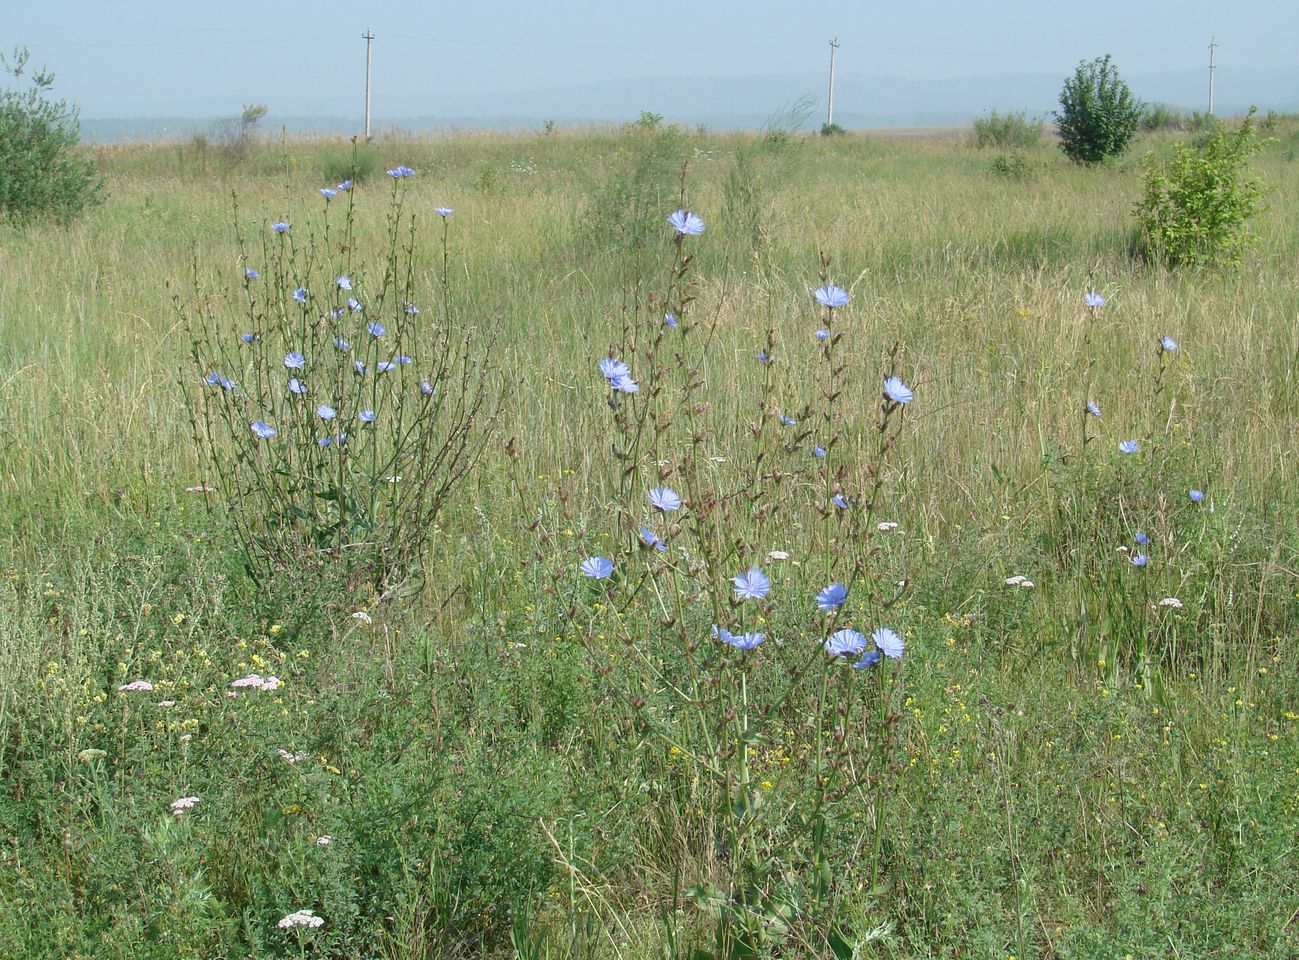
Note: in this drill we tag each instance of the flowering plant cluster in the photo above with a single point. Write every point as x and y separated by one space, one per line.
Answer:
339 401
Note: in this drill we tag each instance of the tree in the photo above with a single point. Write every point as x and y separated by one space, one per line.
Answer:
1098 114
41 172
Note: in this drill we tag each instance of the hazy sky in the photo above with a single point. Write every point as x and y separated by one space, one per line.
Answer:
115 58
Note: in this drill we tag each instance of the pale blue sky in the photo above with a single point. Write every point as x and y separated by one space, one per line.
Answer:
119 58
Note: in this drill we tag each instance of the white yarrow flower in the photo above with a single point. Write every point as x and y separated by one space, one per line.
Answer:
324 840
303 918
884 526
291 757
135 686
1014 581
178 807
362 616
1171 602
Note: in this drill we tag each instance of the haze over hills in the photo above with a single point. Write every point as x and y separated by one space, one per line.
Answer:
720 103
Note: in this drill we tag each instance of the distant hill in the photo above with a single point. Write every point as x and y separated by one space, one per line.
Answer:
720 103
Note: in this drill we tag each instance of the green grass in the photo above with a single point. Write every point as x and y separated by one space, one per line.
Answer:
477 754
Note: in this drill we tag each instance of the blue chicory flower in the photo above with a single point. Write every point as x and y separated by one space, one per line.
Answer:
263 431
686 223
296 386
823 334
344 282
1093 300
787 421
818 452
868 659
845 642
342 344
897 391
597 568
1167 344
295 361
1093 409
326 412
1140 560
300 294
280 226
831 296
652 541
345 185
354 305
665 499
327 193
367 416
399 172
832 597
248 337
1141 537
670 321
888 643
1196 496
1129 446
250 273
443 212
375 328
839 501
752 584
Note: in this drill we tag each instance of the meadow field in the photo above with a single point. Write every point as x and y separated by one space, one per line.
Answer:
1089 747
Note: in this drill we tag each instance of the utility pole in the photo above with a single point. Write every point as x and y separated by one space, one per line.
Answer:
829 108
368 37
1212 45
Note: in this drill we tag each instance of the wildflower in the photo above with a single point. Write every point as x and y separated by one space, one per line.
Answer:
328 192
342 344
670 321
665 499
778 555
262 430
355 306
166 703
831 296
896 390
324 840
303 918
619 375
884 526
359 367
1171 602
363 617
832 597
1196 496
291 758
686 223
839 501
367 416
823 334
787 421
326 412
1014 581
383 366
818 452
398 172
597 568
295 361
1093 409
248 337
375 328
410 308
651 540
1167 344
752 584
844 642
742 641
280 226
1027 584
325 442
868 659
136 686
1141 537
426 388
220 380
345 185
296 386
1140 560
443 212
250 273
1129 446
300 294
764 357
344 282
178 807
888 643
1094 300
255 681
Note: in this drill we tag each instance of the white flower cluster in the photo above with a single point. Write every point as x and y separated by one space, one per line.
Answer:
292 757
1018 581
303 918
178 807
1171 602
255 681
135 686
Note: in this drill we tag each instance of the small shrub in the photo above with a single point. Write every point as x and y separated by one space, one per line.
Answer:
235 137
359 164
832 130
1098 113
1162 116
1011 130
648 120
1196 206
1013 166
41 172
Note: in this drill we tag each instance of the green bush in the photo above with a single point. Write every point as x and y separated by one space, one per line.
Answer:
1011 130
1098 113
359 163
41 172
1196 206
1162 116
